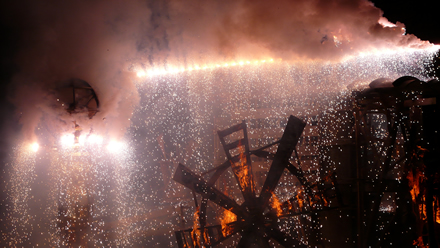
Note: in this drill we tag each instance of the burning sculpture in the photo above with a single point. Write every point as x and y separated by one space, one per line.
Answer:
396 125
381 174
256 220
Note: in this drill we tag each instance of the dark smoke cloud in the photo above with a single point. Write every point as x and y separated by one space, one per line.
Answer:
102 41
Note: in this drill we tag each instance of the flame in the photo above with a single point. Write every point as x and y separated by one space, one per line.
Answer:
276 205
414 181
419 243
242 171
413 185
195 233
437 209
225 219
325 201
299 197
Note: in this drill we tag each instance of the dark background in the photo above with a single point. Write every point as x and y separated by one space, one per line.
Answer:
421 18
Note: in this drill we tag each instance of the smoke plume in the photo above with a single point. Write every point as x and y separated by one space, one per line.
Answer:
102 41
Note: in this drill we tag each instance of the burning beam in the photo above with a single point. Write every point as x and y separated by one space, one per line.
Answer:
190 180
287 144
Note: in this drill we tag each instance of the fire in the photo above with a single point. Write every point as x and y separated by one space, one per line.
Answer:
276 205
195 233
414 185
299 198
437 210
414 181
419 243
242 172
225 219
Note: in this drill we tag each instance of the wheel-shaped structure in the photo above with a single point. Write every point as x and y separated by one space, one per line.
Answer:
256 220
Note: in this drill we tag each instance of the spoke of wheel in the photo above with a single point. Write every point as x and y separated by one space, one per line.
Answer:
242 167
293 131
193 182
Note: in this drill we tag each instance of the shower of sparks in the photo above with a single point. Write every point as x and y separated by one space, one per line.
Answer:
120 192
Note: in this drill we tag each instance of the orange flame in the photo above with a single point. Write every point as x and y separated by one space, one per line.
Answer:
195 233
419 243
276 205
414 181
437 210
242 171
225 219
299 199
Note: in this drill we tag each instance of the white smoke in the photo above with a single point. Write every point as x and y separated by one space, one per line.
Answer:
100 42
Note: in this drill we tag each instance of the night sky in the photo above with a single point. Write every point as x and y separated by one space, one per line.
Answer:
419 17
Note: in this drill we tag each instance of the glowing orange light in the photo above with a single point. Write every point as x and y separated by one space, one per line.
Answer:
225 219
437 210
242 171
276 205
195 233
300 200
